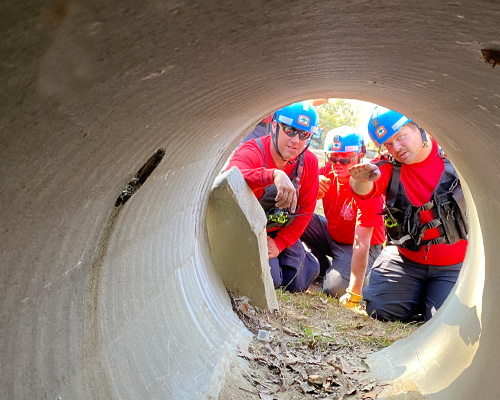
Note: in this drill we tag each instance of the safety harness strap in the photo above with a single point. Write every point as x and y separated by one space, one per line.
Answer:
430 225
297 171
426 206
259 142
276 217
406 231
393 189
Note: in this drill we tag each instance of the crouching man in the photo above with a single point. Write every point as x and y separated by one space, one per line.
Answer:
283 175
352 231
425 220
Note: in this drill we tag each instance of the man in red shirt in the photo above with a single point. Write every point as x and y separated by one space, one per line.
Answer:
424 217
283 175
353 231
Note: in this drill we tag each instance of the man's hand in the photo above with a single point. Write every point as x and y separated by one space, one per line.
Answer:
351 301
324 185
365 172
272 250
287 195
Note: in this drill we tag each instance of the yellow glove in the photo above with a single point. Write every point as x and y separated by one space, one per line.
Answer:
351 300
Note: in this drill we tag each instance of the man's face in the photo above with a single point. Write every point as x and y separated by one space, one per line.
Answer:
406 145
340 170
289 147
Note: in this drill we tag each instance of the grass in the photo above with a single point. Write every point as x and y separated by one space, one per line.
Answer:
322 321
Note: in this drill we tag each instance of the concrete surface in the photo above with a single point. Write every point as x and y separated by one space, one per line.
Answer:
236 226
126 304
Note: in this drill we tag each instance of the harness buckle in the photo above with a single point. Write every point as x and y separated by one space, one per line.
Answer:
280 217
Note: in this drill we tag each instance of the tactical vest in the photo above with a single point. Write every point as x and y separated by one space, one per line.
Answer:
402 219
277 217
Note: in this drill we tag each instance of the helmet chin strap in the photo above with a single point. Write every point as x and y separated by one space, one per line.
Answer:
274 137
423 135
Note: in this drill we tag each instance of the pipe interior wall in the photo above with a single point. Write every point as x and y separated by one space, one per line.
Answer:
118 303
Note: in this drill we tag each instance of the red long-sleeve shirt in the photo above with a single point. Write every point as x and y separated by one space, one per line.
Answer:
420 180
250 161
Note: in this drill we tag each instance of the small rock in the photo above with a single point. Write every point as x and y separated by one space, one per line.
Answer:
315 380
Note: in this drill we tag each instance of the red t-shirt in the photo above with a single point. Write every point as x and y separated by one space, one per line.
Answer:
420 180
250 161
344 212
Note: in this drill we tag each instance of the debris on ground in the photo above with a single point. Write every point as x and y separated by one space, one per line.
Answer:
313 348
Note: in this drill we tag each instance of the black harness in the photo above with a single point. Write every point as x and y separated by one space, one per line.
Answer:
277 217
402 219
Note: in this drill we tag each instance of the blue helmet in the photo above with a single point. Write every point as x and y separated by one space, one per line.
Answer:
301 115
344 139
384 123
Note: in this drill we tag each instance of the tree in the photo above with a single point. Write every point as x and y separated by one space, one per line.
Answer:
338 112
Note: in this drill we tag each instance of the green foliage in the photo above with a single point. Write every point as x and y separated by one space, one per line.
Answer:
338 112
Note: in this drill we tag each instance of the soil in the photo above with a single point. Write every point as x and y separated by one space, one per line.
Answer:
312 348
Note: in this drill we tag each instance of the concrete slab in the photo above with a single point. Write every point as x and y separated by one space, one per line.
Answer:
236 226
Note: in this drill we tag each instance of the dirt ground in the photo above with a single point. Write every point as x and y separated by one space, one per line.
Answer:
312 348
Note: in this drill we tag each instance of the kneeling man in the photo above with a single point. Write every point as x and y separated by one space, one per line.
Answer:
425 219
352 231
283 175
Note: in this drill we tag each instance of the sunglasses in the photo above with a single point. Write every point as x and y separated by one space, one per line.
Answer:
291 131
342 161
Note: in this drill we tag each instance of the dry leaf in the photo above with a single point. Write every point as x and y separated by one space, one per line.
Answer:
291 333
306 388
265 396
346 367
245 354
315 360
263 389
373 394
300 370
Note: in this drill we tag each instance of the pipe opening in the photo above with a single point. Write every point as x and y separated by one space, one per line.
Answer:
334 332
336 116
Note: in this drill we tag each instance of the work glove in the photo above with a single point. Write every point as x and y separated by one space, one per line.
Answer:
352 301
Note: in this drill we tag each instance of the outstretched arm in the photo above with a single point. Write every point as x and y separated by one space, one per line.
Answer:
362 177
359 261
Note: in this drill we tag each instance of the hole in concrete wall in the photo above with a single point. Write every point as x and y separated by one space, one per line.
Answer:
140 177
312 323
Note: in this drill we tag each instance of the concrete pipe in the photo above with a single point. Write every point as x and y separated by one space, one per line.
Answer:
106 302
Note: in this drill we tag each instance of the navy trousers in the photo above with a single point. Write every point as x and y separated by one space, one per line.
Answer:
337 274
400 288
294 268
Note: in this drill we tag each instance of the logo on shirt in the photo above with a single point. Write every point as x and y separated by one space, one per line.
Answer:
380 131
336 146
347 212
303 120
